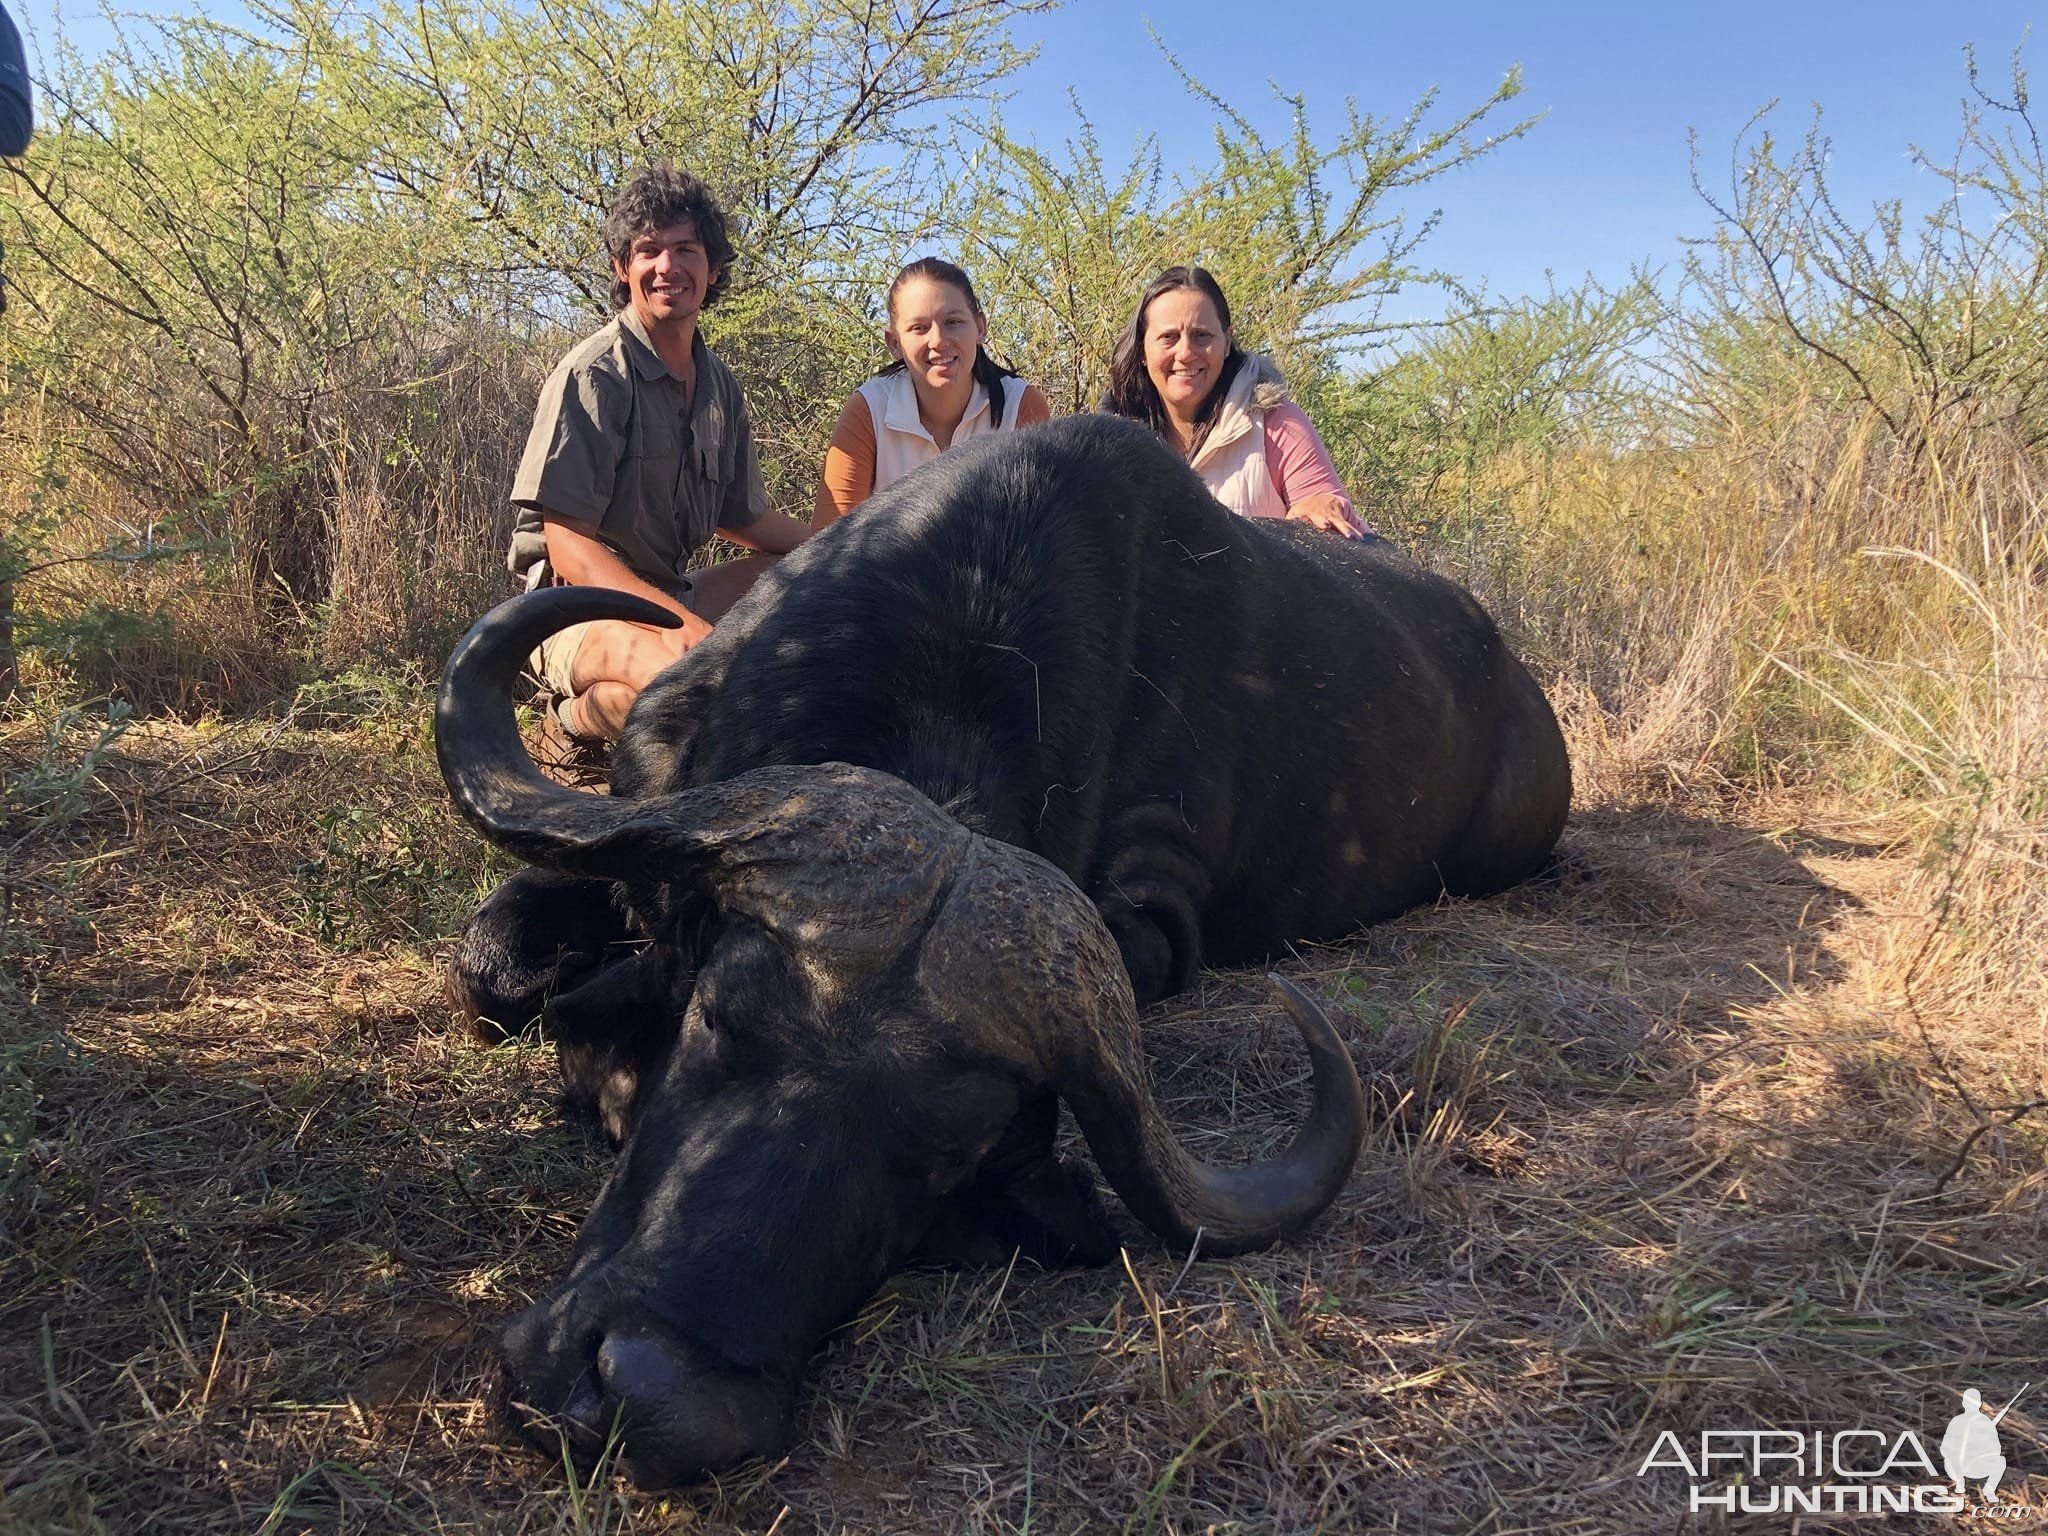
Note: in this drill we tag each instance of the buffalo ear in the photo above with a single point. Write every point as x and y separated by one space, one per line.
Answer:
613 1034
1054 1213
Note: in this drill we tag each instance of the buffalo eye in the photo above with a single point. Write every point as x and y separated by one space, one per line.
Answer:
752 999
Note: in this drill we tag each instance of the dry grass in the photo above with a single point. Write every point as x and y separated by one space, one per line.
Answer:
370 533
1659 1145
418 482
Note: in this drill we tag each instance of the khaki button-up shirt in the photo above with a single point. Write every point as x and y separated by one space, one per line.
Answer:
617 442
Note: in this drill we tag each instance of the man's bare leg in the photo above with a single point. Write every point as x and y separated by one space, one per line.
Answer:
617 659
614 662
599 711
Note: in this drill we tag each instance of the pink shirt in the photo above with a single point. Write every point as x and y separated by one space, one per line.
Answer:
1295 456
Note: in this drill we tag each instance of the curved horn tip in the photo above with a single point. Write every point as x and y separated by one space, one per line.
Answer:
1325 1047
1306 1012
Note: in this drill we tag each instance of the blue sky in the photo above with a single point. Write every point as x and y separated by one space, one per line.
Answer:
1601 183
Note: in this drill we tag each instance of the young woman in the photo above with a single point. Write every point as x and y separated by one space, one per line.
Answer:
941 387
1178 368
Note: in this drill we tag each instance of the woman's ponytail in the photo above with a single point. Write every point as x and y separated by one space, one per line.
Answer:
990 375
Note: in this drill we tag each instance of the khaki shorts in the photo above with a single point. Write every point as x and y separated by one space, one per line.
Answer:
554 659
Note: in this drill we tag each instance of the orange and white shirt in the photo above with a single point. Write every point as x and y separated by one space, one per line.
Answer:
880 439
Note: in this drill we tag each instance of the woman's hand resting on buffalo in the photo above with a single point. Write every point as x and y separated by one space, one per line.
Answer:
1331 513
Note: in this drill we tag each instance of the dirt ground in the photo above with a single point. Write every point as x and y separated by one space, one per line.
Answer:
1654 1149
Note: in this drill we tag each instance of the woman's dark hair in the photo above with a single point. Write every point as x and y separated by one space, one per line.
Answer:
1130 384
655 198
987 371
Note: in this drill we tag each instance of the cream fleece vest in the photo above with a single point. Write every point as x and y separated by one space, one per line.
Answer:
902 442
1232 461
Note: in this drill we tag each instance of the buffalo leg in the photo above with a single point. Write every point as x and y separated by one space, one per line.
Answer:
613 1034
1024 1199
1150 893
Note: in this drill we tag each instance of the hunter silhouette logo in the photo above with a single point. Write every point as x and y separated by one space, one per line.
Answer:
1970 1448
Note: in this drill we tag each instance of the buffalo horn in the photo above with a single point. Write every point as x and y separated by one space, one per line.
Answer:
492 780
1225 1210
842 859
1025 961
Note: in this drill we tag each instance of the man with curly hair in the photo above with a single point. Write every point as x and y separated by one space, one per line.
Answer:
641 449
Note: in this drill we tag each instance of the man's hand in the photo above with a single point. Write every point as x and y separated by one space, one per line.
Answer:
1330 512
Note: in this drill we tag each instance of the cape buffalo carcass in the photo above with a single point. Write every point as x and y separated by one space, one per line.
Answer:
891 858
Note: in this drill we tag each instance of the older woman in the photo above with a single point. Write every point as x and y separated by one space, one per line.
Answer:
1178 368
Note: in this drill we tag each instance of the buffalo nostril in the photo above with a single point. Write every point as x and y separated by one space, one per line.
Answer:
524 1343
681 1417
550 1383
636 1369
